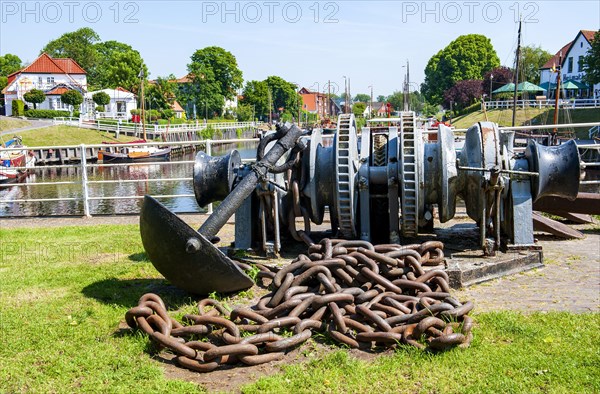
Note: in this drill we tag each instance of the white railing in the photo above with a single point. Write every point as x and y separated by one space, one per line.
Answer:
130 127
85 166
65 120
563 103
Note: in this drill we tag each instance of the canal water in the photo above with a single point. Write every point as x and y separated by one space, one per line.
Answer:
141 172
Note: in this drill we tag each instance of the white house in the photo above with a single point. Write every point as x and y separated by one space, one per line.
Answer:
570 58
54 76
122 101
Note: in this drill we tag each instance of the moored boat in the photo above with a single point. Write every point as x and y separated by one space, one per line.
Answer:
134 153
13 161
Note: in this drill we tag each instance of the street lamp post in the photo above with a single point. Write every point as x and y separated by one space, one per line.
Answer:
345 93
491 79
371 103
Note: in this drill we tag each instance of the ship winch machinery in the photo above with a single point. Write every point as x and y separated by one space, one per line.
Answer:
380 185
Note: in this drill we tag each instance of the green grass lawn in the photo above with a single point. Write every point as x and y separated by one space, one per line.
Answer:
532 116
9 124
64 292
68 135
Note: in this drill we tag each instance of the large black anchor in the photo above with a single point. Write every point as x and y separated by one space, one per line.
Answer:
186 257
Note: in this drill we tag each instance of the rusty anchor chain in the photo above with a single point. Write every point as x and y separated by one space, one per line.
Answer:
359 294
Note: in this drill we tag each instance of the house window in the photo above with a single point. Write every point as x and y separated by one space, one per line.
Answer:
40 82
580 64
50 80
570 65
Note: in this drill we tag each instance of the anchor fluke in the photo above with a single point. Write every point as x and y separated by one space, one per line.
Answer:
185 257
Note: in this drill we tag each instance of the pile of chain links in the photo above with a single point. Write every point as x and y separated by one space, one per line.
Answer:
361 295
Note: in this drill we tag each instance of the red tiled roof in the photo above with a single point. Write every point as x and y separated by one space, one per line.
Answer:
120 89
47 65
176 107
553 61
185 79
69 65
588 34
57 91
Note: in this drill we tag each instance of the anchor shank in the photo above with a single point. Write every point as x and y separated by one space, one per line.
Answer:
232 202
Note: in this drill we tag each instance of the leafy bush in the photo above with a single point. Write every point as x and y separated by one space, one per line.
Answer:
101 98
18 108
100 108
135 111
48 113
152 115
168 113
35 96
171 121
287 117
210 133
244 113
72 97
471 108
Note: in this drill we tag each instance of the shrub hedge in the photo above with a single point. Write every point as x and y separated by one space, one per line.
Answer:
18 108
48 113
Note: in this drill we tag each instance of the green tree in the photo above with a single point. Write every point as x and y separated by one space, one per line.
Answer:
78 45
496 78
161 93
215 78
72 97
532 58
381 98
9 63
358 109
283 94
123 69
468 57
256 96
118 65
362 97
35 96
244 113
101 98
396 99
591 61
3 83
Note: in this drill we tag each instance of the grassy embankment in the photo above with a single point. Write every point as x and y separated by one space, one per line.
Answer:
531 116
68 135
64 292
7 124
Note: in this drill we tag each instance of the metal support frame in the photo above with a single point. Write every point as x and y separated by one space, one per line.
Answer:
393 184
364 194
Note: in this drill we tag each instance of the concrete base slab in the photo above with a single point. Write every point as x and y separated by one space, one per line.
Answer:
466 265
465 271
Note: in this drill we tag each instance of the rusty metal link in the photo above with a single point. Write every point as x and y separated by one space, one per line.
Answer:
359 294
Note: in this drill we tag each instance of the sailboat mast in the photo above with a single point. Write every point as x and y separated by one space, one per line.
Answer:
557 95
143 105
514 114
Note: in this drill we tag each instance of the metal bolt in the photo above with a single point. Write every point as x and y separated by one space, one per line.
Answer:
192 245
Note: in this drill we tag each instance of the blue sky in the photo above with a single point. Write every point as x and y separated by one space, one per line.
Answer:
306 42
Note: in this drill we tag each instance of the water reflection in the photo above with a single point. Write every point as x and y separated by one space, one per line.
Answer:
70 195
